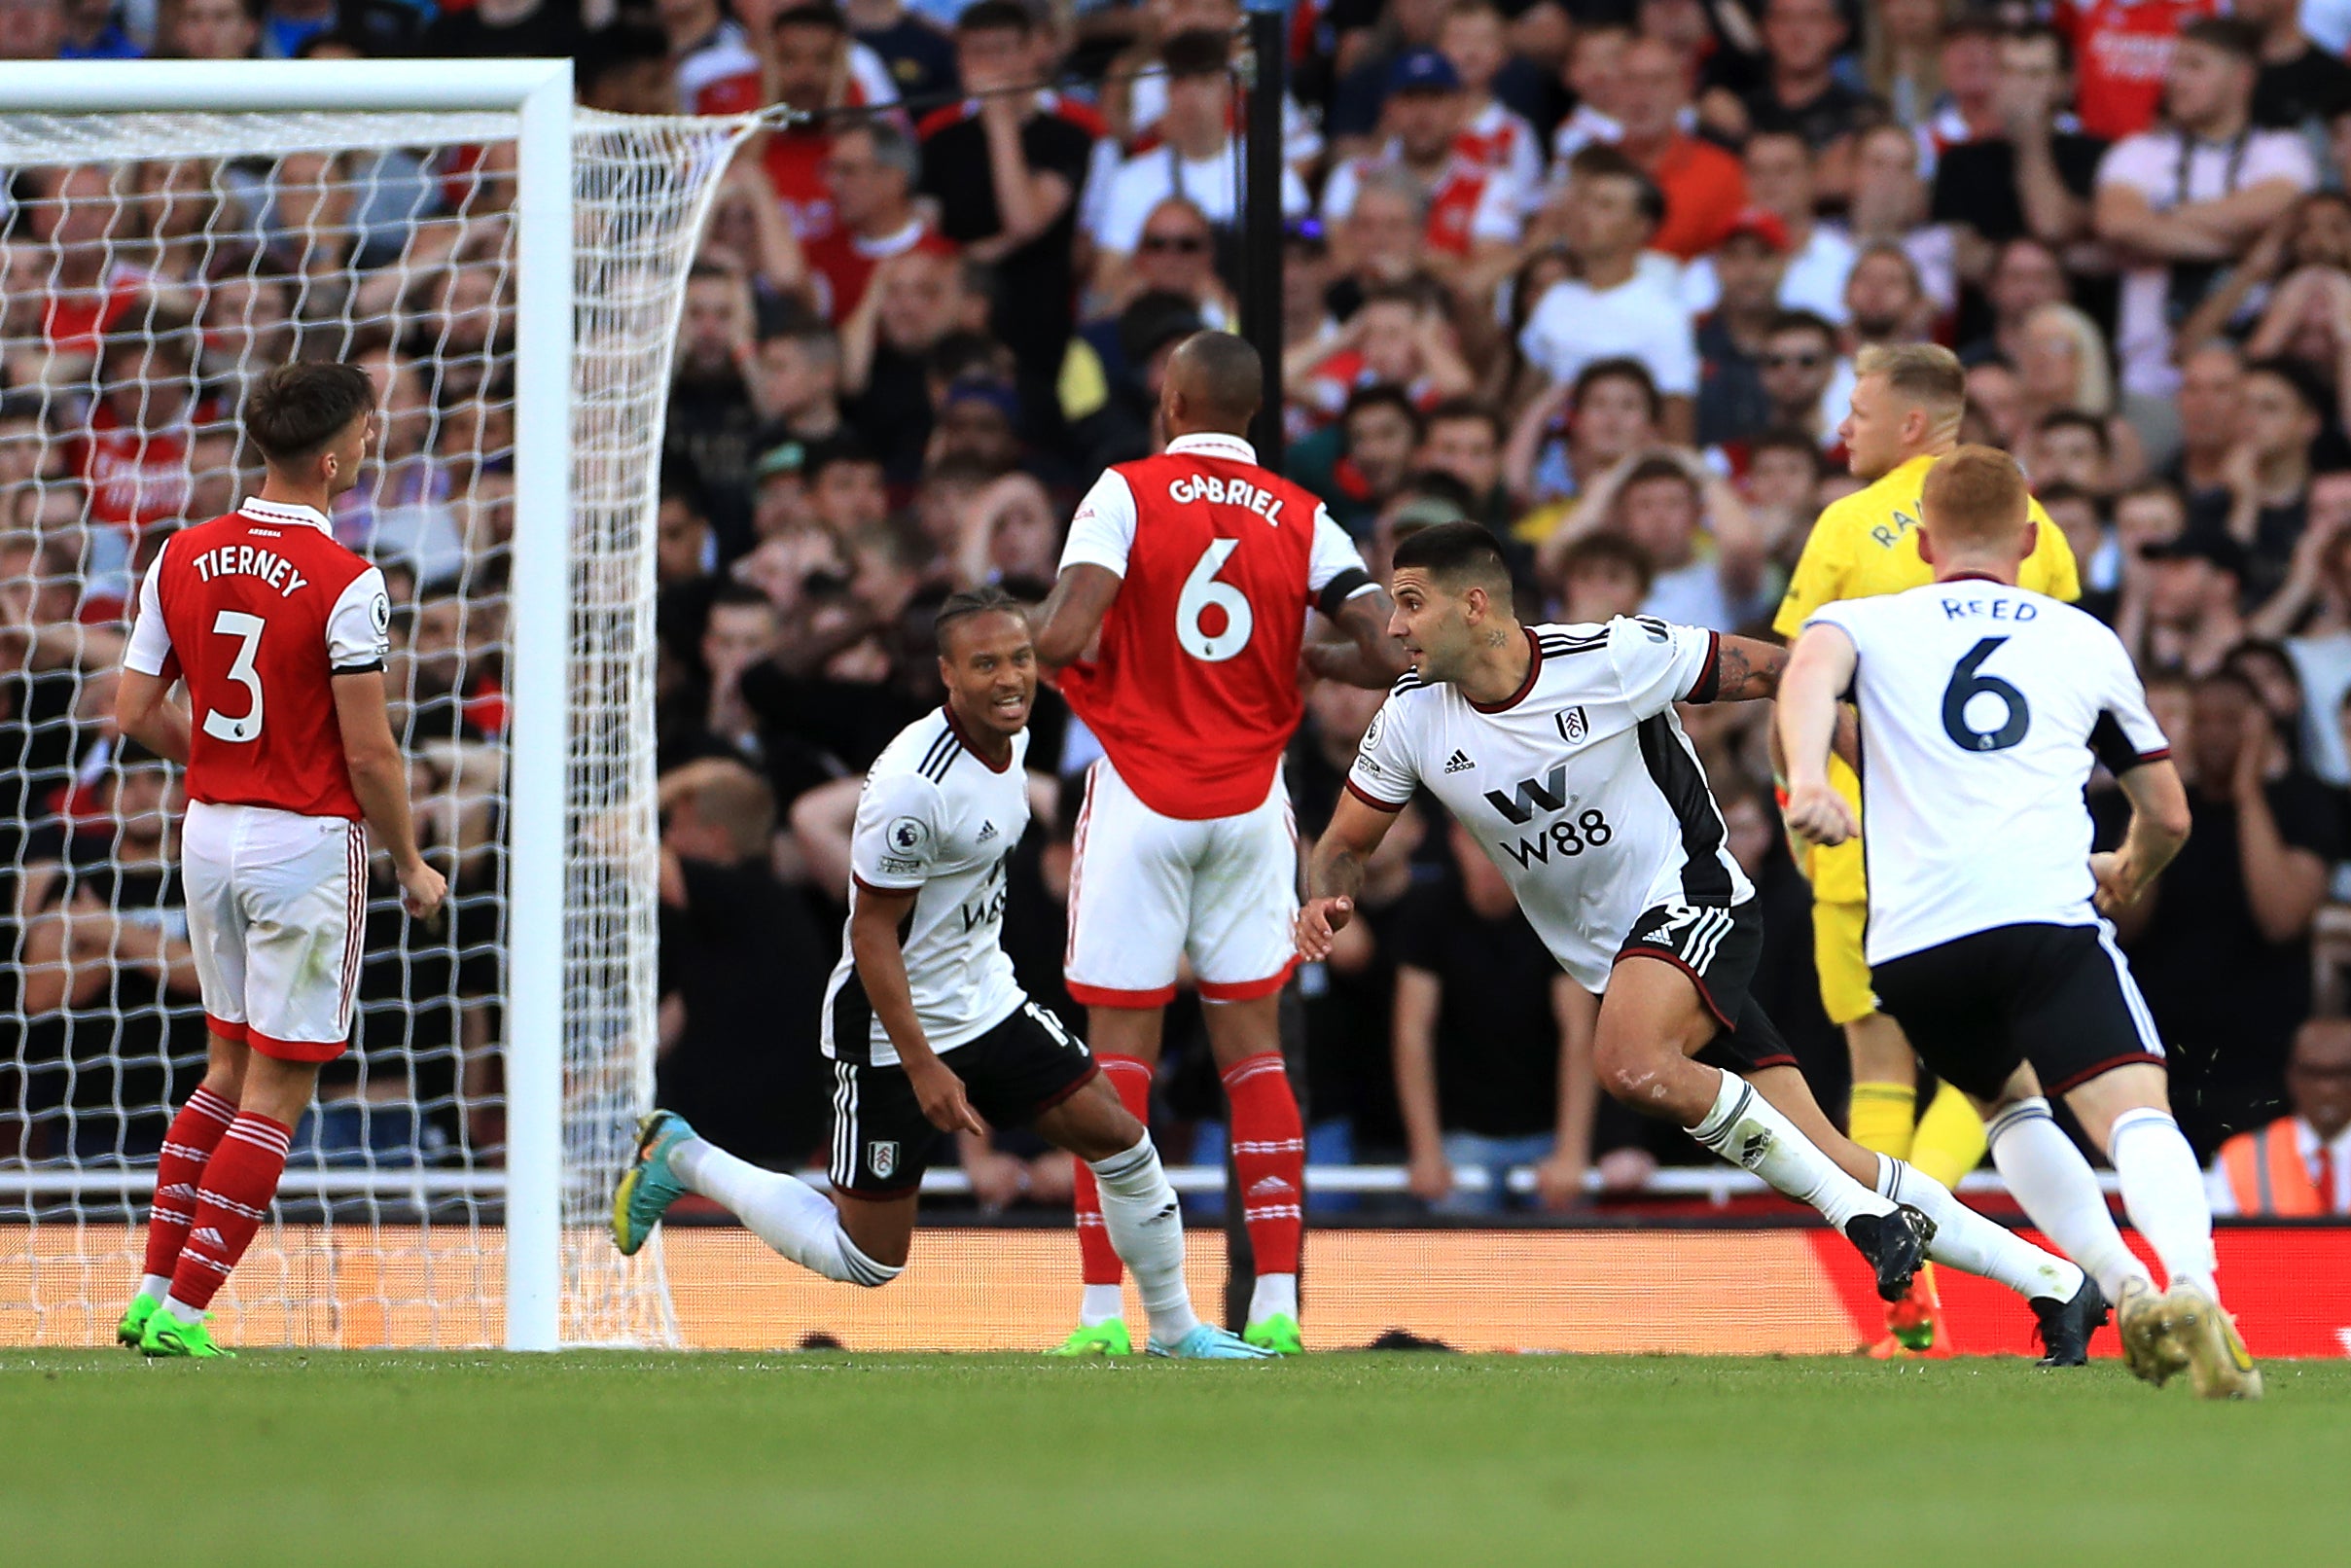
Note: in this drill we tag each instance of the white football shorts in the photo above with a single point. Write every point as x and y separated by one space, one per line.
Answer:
277 914
1147 891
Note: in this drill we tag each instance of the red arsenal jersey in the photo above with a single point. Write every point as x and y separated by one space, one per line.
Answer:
259 611
2121 48
1193 690
846 263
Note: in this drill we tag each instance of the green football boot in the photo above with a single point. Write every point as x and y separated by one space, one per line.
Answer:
649 1186
168 1335
132 1330
1108 1338
1277 1334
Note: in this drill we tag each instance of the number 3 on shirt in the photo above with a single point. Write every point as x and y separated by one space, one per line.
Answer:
1201 589
247 630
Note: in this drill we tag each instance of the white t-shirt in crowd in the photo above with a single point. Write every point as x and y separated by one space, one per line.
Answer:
1641 318
1147 179
1815 279
2150 162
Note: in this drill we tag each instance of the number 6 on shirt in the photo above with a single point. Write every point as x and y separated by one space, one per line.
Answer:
1201 591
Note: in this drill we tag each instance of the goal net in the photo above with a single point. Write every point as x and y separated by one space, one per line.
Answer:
159 255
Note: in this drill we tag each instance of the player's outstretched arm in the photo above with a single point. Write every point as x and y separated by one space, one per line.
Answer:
1369 657
143 710
1335 872
1816 674
1066 623
380 777
1747 670
2159 826
881 969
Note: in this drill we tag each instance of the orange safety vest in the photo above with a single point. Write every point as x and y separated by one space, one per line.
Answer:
2267 1175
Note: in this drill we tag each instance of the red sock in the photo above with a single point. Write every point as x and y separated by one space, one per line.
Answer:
1130 1076
239 1181
1270 1157
195 1133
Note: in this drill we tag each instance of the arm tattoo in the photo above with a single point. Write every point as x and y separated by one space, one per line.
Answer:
1747 669
1337 871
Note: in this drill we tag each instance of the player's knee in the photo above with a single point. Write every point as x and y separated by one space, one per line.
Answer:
1628 1072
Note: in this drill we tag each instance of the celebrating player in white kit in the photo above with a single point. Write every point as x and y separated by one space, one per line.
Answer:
1198 569
926 1028
279 634
1558 749
1982 705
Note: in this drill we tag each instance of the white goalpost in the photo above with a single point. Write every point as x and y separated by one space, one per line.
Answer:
510 269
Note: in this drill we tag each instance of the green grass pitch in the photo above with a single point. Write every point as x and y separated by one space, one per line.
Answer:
360 1459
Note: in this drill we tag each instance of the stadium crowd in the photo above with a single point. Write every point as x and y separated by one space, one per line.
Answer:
1592 273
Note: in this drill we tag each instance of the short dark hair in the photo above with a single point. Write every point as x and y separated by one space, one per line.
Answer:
2061 493
2307 389
1619 367
1458 552
1600 162
1785 438
985 599
294 409
2035 32
1604 551
2230 35
2076 419
1436 484
811 13
1658 466
1801 321
1383 395
996 17
834 452
1196 51
1454 410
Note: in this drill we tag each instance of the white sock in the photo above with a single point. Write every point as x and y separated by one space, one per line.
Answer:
1965 1239
1748 1130
1101 1304
2163 1192
157 1286
1274 1295
1145 1226
181 1309
2059 1192
785 1212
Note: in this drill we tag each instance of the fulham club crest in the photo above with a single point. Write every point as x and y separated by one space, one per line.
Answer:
881 1158
1574 726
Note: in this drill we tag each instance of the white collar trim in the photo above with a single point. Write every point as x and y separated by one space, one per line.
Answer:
891 244
261 511
1209 443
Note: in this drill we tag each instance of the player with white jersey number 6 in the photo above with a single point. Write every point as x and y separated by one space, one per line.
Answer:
1197 570
280 635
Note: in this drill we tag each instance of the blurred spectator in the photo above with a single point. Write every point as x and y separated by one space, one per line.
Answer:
2179 201
1196 161
1492 1054
2297 1167
1779 181
1748 267
2031 173
89 32
872 172
1702 548
1469 210
1801 90
2181 614
1007 175
505 29
215 30
1475 38
1699 188
2123 48
2299 83
1614 308
742 973
2221 944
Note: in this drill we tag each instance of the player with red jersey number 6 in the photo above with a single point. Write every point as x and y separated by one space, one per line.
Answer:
1196 569
279 634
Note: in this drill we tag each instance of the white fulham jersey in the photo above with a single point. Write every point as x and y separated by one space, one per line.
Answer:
1982 709
1582 787
934 819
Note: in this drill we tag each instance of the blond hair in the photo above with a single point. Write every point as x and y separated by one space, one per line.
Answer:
1926 375
2093 373
1975 499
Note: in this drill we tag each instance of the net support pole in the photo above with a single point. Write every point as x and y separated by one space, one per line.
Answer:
541 738
1261 217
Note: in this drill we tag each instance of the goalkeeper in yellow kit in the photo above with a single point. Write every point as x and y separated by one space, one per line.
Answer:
1907 404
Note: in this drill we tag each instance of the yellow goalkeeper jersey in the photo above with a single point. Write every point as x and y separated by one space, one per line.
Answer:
1864 545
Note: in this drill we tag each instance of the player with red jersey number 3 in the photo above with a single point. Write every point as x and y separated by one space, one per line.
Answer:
1180 615
279 636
